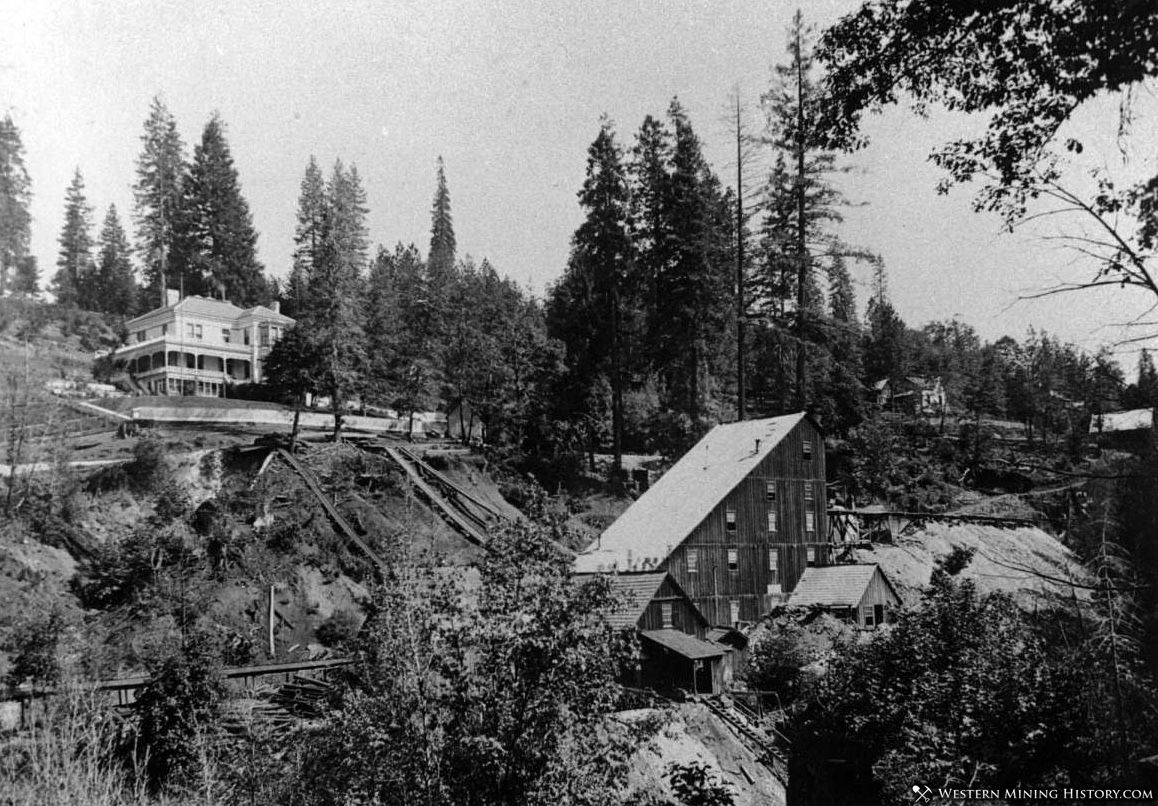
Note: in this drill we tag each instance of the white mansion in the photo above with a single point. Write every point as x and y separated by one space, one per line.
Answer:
198 346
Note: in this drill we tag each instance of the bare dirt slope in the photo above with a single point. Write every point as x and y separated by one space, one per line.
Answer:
1026 562
696 734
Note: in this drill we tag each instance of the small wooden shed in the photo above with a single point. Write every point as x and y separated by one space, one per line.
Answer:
674 652
861 594
464 423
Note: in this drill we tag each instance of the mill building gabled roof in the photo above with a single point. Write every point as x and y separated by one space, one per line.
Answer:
836 586
635 592
660 519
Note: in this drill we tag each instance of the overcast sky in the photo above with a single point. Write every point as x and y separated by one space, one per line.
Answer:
510 94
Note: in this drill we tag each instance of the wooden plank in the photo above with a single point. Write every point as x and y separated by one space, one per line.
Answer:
457 520
446 482
330 509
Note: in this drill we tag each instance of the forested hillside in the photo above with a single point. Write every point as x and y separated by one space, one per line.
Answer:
468 661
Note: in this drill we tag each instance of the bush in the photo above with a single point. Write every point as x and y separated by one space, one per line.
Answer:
149 468
339 628
37 644
176 711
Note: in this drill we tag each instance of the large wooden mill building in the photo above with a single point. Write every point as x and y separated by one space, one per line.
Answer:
735 522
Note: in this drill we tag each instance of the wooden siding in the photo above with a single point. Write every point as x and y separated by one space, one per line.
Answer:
685 618
713 585
878 592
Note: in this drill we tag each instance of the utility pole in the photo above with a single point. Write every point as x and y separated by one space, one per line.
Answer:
740 381
801 240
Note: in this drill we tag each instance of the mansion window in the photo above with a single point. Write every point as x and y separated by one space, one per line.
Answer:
225 335
246 332
141 335
194 331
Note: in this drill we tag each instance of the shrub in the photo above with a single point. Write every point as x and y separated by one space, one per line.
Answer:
339 628
176 710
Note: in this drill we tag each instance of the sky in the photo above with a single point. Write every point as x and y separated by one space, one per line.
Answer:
510 94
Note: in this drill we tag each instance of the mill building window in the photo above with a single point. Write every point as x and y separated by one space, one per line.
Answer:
730 519
733 559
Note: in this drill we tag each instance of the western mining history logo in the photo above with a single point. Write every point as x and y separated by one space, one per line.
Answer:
926 794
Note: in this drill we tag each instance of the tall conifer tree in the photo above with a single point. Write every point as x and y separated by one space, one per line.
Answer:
15 196
74 275
440 262
695 291
651 227
157 193
308 236
335 314
116 290
802 204
602 256
218 245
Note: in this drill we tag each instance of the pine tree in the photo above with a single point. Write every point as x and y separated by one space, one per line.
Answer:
116 285
602 257
1147 379
218 245
411 368
308 235
26 279
15 196
440 262
157 194
695 290
840 388
801 201
886 346
74 276
651 230
335 315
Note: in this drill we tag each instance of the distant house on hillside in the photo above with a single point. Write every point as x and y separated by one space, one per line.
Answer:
674 652
911 395
1125 430
464 424
735 521
199 346
860 594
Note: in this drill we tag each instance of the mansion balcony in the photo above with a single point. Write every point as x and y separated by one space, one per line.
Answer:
174 372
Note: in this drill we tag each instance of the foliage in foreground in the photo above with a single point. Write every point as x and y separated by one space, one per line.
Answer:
967 691
499 699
